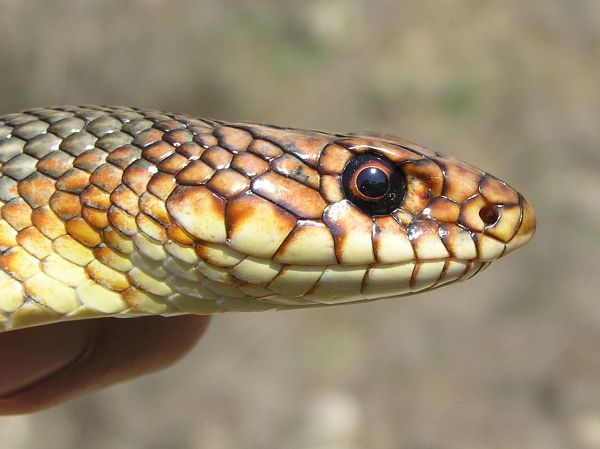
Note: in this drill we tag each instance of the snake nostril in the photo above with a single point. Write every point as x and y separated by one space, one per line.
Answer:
489 214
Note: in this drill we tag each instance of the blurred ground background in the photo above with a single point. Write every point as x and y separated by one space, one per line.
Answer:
509 359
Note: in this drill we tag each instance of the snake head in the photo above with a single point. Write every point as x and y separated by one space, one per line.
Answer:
341 218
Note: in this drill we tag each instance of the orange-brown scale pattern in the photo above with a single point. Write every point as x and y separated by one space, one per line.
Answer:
120 211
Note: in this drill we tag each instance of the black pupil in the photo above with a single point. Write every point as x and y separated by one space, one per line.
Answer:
373 182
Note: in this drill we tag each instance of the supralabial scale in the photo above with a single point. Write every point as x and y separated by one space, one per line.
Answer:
117 211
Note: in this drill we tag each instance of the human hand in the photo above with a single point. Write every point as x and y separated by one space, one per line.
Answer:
43 366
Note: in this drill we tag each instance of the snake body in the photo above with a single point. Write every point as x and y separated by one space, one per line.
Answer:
117 211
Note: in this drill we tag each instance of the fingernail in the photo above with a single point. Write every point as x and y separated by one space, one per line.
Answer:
29 356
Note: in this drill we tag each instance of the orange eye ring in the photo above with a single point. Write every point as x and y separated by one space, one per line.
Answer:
371 181
373 184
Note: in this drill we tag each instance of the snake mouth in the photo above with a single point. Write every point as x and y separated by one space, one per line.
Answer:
344 284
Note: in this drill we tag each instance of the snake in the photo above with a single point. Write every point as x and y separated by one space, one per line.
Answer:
126 212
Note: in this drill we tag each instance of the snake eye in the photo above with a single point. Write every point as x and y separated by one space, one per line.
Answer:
373 184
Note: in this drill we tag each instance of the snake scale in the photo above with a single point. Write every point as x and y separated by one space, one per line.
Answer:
117 211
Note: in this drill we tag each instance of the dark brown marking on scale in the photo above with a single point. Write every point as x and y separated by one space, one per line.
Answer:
497 192
442 273
526 225
475 272
316 284
297 198
242 210
365 280
444 210
292 167
414 274
398 141
461 180
427 171
296 235
403 218
396 155
469 266
469 213
420 232
333 160
444 231
184 200
353 220
375 237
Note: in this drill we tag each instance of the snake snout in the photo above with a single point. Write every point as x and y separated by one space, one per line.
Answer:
507 227
526 228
